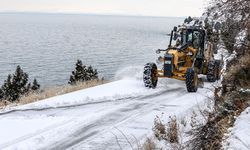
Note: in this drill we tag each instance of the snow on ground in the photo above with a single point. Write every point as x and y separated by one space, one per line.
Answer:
102 117
239 136
240 38
122 89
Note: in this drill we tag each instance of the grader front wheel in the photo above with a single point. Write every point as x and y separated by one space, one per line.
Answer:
191 80
150 78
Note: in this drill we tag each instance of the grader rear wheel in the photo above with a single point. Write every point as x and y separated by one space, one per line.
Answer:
191 80
150 78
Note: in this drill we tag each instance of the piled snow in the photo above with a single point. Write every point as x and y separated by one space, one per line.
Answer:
225 56
122 89
93 118
239 136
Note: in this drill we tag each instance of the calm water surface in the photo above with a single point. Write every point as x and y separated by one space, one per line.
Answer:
48 45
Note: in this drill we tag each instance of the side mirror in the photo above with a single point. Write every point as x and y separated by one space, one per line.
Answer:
157 51
175 29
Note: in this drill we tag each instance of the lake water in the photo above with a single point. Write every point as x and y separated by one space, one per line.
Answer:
48 45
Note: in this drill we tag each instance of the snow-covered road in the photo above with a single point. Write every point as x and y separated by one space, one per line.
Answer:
110 116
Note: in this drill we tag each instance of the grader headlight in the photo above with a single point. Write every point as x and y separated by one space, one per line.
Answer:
160 60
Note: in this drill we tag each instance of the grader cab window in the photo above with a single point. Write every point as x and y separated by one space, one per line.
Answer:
189 37
193 36
196 39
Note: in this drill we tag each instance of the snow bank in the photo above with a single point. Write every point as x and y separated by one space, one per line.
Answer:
20 128
122 89
239 136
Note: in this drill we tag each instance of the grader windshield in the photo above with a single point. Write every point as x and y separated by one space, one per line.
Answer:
193 36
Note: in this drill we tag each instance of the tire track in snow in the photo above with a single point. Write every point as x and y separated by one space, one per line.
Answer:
77 138
105 124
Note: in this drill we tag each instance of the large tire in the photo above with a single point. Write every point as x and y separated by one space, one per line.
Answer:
199 64
191 80
211 71
150 78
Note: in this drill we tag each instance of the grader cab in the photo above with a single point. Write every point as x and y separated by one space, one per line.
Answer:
190 56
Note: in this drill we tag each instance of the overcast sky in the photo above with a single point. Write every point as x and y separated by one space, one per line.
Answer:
123 7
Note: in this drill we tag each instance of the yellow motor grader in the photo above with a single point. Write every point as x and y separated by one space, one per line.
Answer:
190 56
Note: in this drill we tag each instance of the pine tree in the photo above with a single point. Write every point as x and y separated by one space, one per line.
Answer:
35 86
7 89
95 75
20 81
79 75
1 94
92 73
72 79
15 85
82 73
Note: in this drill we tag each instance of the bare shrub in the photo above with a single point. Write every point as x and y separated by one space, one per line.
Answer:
149 145
168 132
172 130
159 128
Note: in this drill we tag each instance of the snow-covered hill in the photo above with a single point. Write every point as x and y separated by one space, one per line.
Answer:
109 116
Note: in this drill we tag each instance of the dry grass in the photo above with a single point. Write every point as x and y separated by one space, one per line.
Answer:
54 91
159 129
149 145
172 130
4 103
168 132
